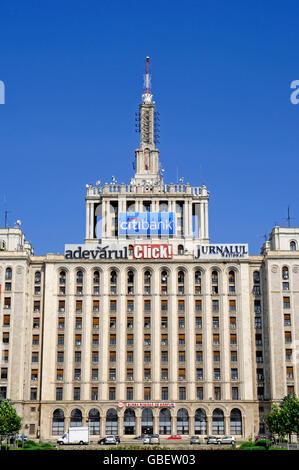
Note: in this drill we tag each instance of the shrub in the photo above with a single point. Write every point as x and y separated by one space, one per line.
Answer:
263 443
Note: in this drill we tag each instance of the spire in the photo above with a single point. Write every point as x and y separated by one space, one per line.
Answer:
147 124
147 95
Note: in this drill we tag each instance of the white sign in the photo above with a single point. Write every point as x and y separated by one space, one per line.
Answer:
236 250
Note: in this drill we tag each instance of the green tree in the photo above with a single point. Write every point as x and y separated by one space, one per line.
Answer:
284 419
10 422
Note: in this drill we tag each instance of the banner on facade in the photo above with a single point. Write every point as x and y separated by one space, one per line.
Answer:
233 250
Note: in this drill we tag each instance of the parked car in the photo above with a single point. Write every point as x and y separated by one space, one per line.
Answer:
147 440
142 436
174 436
194 440
22 437
108 440
155 439
263 436
211 440
226 440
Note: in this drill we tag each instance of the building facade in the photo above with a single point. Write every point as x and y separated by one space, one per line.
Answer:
147 327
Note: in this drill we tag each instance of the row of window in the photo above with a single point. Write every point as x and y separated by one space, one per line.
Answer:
165 421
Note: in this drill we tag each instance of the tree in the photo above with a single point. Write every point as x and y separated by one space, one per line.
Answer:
284 419
10 422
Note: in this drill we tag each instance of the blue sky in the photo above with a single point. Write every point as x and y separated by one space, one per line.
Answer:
221 74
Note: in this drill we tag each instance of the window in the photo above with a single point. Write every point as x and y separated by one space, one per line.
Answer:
182 357
215 322
216 339
95 322
60 340
61 305
286 302
232 305
182 393
217 396
147 356
216 374
198 356
293 246
112 305
234 356
288 337
289 356
215 305
198 339
233 339
79 279
130 374
77 374
285 273
8 274
256 277
198 322
216 356
130 356
94 393
78 323
147 393
35 340
259 356
6 320
36 323
96 305
181 322
3 375
5 338
164 374
130 340
61 323
199 393
164 322
290 373
164 305
112 322
258 322
234 374
59 393
147 340
95 357
76 393
112 340
232 322
95 340
147 305
199 374
112 356
33 394
34 357
198 305
147 374
181 339
181 305
130 393
147 322
164 356
77 356
7 302
94 374
257 306
112 394
59 374
164 393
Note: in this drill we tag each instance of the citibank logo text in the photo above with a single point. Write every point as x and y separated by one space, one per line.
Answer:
146 223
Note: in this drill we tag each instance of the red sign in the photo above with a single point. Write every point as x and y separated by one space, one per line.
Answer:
161 251
146 404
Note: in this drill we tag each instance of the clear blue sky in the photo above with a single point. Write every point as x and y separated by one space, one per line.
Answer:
221 74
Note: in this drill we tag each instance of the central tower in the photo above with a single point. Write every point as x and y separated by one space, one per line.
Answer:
147 156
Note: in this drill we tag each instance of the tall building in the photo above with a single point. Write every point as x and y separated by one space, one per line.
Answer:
147 326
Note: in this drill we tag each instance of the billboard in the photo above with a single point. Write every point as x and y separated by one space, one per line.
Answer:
146 223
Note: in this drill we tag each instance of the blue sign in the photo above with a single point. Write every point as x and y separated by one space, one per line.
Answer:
146 223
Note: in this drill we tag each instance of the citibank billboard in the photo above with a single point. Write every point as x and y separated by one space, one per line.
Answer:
146 223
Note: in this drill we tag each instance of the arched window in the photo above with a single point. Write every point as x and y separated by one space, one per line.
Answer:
96 277
293 246
218 421
76 418
200 423
197 282
37 277
94 421
129 421
285 272
181 279
165 421
58 422
164 281
215 282
111 422
130 282
236 422
182 421
113 282
147 421
232 282
79 277
181 250
8 274
62 277
147 282
256 277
